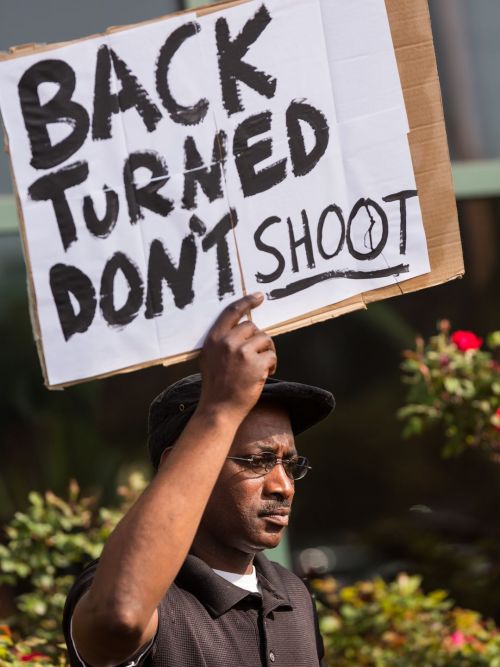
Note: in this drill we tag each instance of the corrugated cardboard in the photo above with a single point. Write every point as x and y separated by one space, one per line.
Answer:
413 43
412 37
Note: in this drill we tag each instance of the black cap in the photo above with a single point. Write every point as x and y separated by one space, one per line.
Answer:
171 410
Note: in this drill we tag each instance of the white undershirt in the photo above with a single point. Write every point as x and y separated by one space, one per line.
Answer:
246 581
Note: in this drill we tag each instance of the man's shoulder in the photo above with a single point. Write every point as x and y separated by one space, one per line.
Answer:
263 562
280 570
278 573
80 586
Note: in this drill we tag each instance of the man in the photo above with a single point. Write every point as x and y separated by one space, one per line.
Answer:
181 581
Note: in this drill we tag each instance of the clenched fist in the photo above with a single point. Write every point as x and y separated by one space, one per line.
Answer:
236 360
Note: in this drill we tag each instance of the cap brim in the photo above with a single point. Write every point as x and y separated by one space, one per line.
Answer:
306 405
171 410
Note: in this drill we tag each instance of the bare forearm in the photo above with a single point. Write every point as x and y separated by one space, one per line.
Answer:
145 552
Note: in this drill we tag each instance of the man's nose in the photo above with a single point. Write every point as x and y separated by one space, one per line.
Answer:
278 482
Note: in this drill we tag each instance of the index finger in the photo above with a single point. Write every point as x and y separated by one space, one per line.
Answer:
233 313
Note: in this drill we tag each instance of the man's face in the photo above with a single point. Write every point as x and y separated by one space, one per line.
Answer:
248 512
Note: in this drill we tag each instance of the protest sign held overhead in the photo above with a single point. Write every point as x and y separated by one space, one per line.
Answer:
163 169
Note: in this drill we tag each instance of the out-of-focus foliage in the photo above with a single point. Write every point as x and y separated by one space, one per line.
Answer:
378 624
370 624
30 651
45 547
454 383
451 551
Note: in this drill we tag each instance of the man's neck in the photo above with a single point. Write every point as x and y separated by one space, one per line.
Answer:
227 560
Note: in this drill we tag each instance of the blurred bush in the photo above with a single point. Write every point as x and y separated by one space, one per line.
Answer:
372 624
45 547
379 624
454 383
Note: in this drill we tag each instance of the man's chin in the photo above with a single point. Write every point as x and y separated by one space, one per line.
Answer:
270 539
265 535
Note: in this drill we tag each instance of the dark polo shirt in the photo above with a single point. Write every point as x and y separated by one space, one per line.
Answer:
205 621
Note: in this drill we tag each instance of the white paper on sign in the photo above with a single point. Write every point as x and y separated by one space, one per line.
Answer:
162 167
297 240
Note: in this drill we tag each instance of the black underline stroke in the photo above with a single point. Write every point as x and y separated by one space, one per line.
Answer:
304 283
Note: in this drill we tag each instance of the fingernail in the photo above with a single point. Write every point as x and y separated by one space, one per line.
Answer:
258 295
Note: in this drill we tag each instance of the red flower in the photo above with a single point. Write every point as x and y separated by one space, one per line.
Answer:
496 423
458 638
466 340
32 656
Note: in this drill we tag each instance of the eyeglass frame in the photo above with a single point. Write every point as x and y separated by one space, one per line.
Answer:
250 459
294 459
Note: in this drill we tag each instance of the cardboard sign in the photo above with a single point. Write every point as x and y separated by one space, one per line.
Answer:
164 169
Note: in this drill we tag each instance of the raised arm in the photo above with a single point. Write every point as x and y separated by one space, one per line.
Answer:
146 550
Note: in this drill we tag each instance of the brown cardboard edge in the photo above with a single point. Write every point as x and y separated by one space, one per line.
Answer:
346 306
312 317
435 276
167 361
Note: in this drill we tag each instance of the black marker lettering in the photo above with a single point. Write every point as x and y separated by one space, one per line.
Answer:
373 252
60 109
401 197
305 283
129 310
101 227
179 278
146 196
304 240
179 114
197 226
64 280
302 162
217 237
52 187
231 66
246 157
333 208
209 177
265 247
131 95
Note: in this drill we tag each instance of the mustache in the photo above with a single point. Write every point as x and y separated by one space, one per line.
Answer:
273 506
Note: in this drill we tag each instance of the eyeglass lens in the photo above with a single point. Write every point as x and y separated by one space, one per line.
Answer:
295 467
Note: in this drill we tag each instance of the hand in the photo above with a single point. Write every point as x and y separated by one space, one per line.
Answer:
236 360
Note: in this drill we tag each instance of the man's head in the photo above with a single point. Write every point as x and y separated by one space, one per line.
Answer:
250 503
249 507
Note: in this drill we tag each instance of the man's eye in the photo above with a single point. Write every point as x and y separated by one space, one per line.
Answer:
264 456
267 457
254 459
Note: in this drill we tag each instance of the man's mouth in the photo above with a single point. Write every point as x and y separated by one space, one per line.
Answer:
278 516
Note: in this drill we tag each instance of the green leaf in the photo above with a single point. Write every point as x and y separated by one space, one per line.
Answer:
493 340
35 499
452 385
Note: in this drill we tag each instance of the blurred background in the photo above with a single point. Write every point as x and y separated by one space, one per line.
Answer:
374 503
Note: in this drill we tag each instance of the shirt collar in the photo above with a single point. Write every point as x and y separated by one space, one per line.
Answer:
219 595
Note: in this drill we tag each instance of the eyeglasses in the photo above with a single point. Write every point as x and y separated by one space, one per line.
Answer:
295 467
